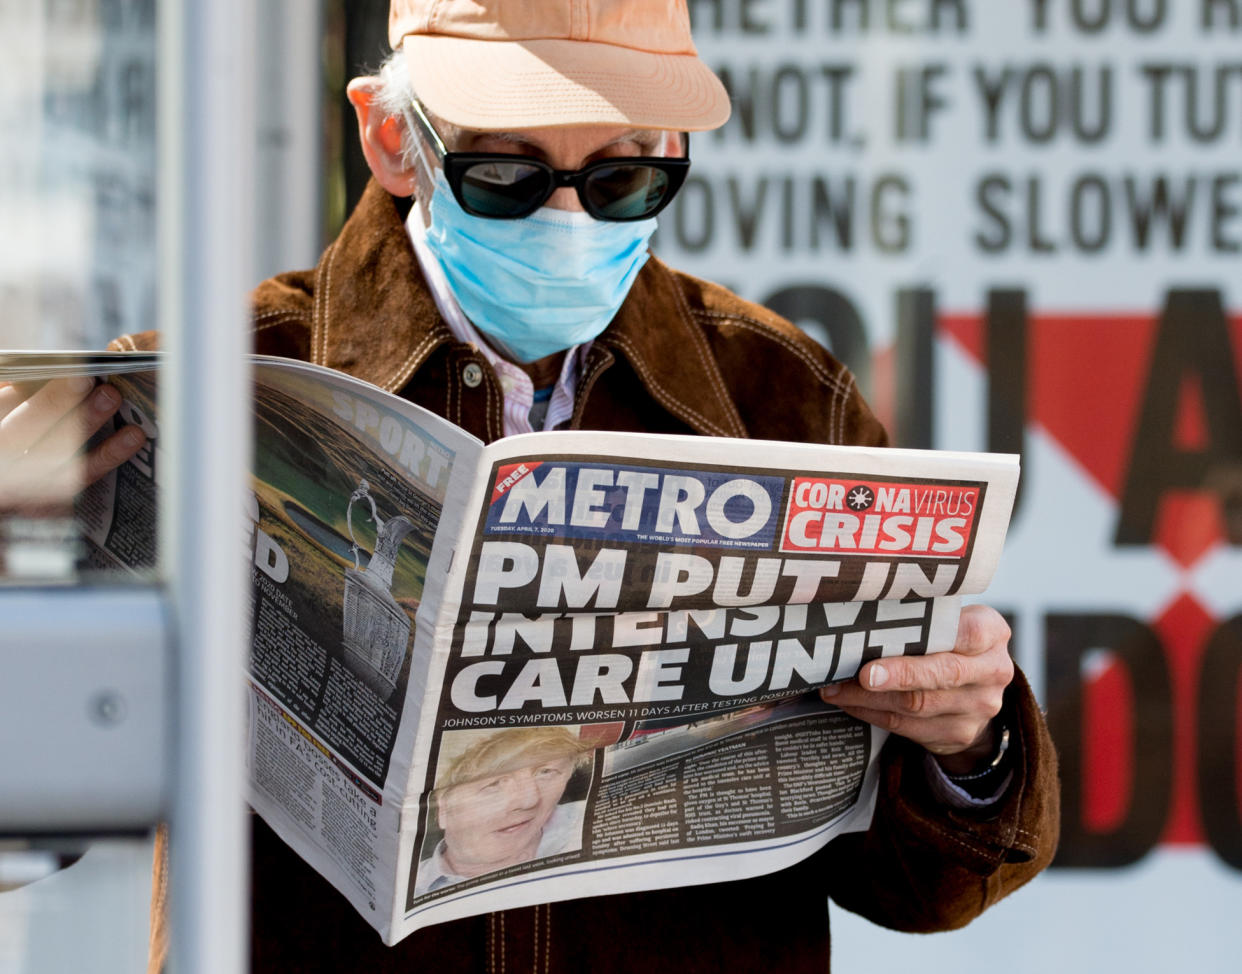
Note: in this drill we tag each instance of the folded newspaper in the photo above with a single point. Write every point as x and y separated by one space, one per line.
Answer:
566 663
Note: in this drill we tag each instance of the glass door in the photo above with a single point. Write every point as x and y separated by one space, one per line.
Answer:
126 196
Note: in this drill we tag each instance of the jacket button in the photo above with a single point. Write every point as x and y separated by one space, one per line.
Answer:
472 374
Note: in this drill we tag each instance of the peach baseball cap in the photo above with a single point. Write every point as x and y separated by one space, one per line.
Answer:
494 65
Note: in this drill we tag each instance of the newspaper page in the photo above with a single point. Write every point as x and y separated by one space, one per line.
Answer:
349 485
349 488
564 664
621 688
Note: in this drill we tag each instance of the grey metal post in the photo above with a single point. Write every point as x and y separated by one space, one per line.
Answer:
206 203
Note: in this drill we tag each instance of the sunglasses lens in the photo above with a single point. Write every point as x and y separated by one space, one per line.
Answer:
626 192
504 189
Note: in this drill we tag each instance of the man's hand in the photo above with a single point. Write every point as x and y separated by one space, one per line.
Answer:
42 431
943 701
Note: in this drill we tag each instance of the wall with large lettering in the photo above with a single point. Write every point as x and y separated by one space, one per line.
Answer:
1020 223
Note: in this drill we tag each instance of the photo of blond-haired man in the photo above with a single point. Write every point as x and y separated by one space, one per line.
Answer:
500 799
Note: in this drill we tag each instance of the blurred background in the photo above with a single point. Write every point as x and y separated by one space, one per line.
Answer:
1018 221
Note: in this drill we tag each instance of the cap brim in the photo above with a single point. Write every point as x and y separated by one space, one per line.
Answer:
504 85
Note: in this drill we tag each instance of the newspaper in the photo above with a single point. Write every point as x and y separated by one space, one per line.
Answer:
566 663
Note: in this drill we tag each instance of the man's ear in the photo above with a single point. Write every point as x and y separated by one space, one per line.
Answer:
673 146
381 139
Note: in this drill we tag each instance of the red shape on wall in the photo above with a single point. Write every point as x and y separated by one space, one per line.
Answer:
1188 525
1184 628
1108 744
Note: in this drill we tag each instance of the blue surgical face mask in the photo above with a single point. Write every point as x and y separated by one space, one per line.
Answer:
540 284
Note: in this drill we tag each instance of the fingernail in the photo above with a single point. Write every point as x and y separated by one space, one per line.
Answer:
831 690
132 436
877 676
81 384
106 399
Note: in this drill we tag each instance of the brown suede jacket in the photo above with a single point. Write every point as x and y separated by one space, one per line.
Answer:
682 356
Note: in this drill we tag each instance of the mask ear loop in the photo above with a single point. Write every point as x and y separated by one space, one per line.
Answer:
426 171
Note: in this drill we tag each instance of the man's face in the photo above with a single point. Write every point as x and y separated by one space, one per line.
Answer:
498 820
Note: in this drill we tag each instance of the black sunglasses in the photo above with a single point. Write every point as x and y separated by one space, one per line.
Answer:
507 186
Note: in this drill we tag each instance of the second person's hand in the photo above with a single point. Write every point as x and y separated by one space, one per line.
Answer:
43 429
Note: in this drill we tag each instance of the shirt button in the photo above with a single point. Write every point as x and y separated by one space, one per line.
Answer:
472 374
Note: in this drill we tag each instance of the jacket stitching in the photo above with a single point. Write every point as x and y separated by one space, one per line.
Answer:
535 961
319 324
835 415
669 402
709 363
750 324
454 402
498 411
491 942
535 928
547 939
684 310
961 843
495 410
502 942
406 368
587 382
843 397
278 313
493 430
317 313
285 319
841 385
327 302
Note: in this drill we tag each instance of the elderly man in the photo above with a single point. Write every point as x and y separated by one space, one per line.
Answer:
496 272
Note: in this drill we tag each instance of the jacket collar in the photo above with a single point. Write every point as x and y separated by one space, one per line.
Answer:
657 333
374 318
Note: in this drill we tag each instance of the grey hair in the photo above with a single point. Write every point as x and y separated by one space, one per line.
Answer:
393 96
